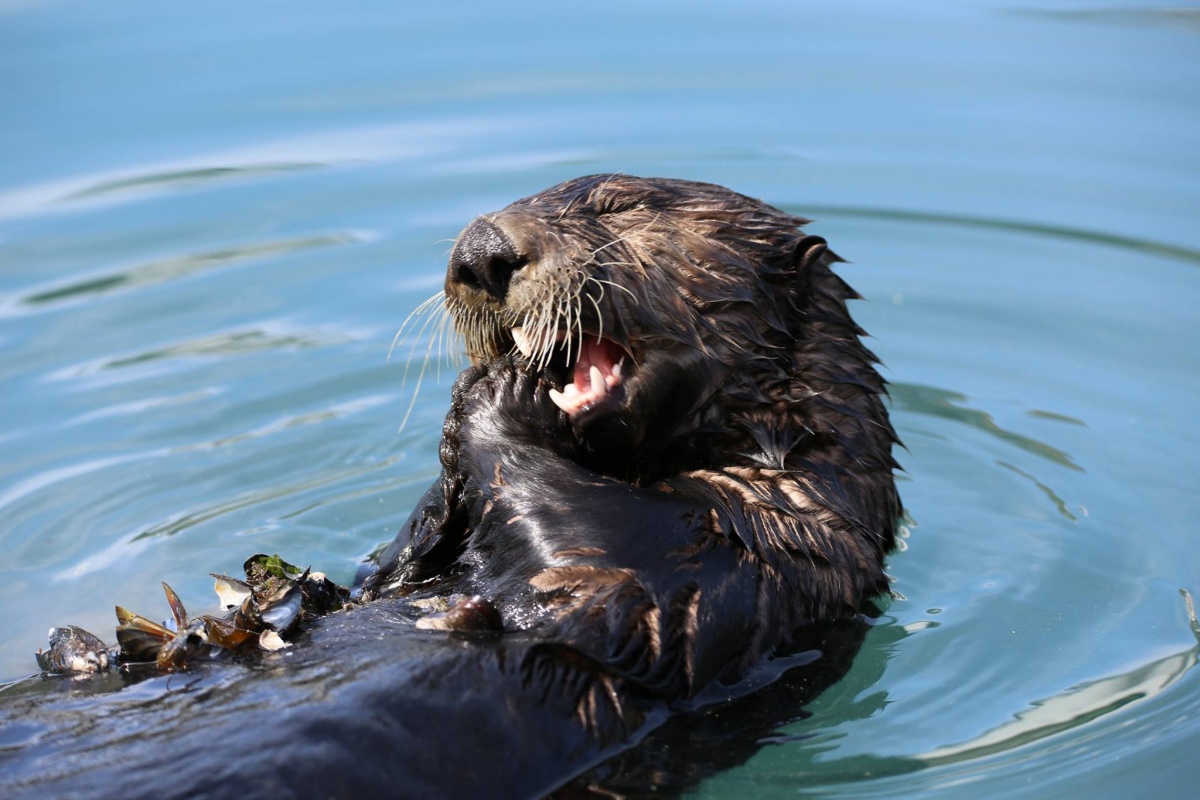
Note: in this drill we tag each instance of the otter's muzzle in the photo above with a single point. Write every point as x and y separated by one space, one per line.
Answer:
483 258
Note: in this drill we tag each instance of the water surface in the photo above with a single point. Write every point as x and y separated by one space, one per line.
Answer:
213 221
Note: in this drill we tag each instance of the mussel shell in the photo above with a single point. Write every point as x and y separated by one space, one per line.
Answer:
225 633
73 650
281 609
140 639
190 644
323 596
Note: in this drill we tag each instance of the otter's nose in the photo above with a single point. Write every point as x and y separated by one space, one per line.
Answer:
484 258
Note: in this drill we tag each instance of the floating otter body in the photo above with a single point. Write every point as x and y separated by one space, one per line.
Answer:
672 452
669 460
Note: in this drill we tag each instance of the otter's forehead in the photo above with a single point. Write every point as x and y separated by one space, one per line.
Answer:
571 224
610 250
604 195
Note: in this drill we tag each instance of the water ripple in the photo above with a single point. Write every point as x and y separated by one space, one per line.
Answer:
80 288
1059 503
241 341
269 159
1077 705
337 411
181 178
120 550
950 405
1137 244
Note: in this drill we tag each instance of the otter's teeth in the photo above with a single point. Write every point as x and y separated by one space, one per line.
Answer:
599 387
521 339
616 370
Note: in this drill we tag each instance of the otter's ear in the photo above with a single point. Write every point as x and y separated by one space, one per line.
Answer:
809 252
812 260
806 256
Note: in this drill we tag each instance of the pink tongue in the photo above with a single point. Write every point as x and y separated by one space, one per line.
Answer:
593 354
596 372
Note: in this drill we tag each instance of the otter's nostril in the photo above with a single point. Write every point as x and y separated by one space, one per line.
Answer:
484 258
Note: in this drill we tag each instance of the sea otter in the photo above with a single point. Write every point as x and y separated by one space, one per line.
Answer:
672 450
669 460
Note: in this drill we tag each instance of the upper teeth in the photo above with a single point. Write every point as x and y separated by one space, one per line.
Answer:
523 342
540 341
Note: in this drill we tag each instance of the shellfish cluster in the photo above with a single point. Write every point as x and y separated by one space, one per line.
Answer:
258 613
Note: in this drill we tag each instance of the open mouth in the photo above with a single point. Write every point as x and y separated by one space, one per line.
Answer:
593 381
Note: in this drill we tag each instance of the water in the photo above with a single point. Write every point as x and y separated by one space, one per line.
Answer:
212 222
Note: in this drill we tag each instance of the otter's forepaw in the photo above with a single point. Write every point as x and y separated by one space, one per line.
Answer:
511 404
466 381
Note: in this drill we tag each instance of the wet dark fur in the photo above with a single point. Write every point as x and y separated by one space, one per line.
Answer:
742 490
643 559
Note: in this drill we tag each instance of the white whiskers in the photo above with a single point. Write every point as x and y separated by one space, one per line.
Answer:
433 312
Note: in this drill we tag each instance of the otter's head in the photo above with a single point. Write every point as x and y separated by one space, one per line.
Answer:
670 315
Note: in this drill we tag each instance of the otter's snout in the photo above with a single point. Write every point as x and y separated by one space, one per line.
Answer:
483 258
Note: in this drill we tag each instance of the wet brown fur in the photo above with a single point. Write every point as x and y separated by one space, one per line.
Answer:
752 410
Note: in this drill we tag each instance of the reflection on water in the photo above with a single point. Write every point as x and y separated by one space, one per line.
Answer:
950 405
142 405
289 422
1059 503
815 764
1050 415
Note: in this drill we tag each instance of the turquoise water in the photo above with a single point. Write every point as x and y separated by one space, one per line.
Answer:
213 221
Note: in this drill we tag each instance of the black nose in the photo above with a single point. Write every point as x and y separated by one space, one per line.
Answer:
484 258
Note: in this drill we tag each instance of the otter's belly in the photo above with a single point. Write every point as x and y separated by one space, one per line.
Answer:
361 704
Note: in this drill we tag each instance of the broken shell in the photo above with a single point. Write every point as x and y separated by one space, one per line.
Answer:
225 633
189 644
270 640
230 591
